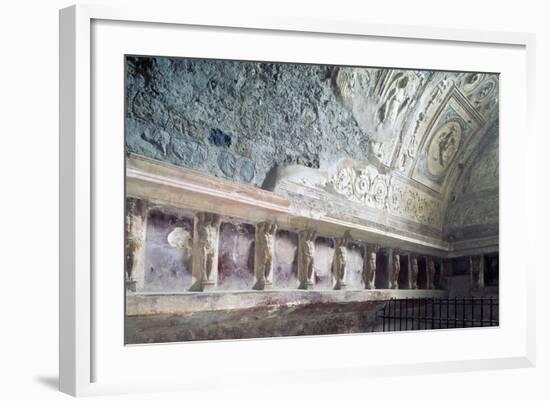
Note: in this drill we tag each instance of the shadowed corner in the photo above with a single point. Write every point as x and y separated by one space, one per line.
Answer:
51 382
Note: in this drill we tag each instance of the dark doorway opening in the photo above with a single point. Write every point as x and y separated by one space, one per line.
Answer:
491 270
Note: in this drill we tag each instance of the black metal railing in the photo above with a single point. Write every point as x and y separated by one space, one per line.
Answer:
438 313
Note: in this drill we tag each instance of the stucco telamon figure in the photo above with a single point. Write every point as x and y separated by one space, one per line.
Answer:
430 269
339 262
414 272
136 223
396 267
263 255
369 267
306 258
477 271
205 251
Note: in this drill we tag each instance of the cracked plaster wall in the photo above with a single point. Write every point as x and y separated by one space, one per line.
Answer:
237 120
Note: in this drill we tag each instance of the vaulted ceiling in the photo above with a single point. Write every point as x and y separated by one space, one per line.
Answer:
417 149
425 125
433 148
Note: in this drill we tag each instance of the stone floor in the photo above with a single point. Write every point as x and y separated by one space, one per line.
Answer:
256 322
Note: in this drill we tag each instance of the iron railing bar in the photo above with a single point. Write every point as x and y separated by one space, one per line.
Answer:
393 315
491 311
400 313
384 318
406 313
432 311
481 306
463 312
447 315
441 311
472 317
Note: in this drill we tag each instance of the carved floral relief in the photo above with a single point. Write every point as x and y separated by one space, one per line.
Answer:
381 192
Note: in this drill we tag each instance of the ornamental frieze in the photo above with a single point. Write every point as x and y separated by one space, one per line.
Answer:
383 192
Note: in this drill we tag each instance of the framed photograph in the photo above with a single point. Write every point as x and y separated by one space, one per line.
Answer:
258 199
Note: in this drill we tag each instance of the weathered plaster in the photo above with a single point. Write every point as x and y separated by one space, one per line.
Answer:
395 142
473 210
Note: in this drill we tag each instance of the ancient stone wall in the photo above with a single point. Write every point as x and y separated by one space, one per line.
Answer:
237 120
410 148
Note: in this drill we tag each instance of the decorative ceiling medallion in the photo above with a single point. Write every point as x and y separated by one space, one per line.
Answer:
443 147
471 81
481 90
446 140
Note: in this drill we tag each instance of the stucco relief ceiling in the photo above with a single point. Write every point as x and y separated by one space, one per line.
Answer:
391 143
424 129
423 125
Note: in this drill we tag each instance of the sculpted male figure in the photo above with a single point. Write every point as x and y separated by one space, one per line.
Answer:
339 262
263 254
430 264
206 232
136 223
476 271
306 250
369 269
414 272
205 251
395 271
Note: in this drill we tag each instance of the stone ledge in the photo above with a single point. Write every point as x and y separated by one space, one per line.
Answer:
141 304
475 246
165 184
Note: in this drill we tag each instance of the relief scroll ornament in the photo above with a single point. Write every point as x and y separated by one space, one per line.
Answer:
365 186
472 81
382 192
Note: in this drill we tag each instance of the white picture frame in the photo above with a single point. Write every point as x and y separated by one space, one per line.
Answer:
81 346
